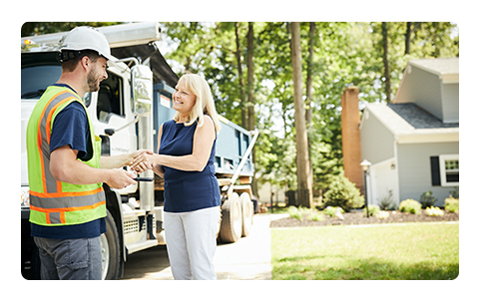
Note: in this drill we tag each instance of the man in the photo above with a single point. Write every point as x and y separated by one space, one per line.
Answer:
66 172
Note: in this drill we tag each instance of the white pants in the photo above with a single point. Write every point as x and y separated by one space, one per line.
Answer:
191 243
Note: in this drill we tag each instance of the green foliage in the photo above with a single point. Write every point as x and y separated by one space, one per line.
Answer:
294 212
316 217
345 54
410 206
455 193
39 28
373 210
331 211
452 204
342 193
382 215
387 202
427 200
434 211
301 212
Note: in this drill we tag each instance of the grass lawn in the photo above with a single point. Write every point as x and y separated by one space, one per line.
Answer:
412 251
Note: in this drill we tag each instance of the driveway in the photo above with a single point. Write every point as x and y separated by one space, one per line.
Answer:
247 259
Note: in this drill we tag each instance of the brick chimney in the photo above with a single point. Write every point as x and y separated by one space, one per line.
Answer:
350 120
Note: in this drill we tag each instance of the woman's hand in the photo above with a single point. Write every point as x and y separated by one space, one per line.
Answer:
139 161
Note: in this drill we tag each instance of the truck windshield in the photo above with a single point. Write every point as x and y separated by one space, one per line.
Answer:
36 79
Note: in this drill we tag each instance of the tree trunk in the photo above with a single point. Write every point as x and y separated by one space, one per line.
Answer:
309 95
387 81
250 89
250 64
309 75
305 194
408 38
244 115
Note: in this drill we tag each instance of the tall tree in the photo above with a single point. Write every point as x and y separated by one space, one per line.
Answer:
407 38
250 86
309 74
309 95
387 80
250 93
239 62
305 192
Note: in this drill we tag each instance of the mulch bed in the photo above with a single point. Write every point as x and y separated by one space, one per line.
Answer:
352 218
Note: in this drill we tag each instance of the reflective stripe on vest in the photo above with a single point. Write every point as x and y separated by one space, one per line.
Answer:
53 202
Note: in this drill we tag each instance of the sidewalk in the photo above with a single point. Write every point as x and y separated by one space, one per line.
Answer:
247 259
250 257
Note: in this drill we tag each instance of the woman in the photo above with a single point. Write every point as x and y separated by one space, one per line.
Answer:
185 159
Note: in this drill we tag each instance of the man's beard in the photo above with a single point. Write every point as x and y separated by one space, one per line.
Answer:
93 81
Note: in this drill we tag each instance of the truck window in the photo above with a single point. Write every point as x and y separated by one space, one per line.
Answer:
110 98
36 79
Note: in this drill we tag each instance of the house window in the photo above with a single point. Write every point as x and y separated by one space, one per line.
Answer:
449 169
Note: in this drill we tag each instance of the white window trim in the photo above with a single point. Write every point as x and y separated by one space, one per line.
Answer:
442 167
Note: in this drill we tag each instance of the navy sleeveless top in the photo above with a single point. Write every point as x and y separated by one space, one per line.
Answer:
187 191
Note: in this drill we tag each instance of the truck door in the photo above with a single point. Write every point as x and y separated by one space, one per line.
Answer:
110 109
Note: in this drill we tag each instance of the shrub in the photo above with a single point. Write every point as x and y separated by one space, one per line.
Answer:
294 212
316 217
427 200
300 213
452 204
331 211
387 203
382 215
342 193
373 210
455 193
410 206
434 211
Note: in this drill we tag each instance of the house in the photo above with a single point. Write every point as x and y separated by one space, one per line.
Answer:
413 143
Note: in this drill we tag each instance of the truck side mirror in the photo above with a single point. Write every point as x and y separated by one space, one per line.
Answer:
142 83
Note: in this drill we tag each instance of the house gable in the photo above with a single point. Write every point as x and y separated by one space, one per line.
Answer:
432 84
377 136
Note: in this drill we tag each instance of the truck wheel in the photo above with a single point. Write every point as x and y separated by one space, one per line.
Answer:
231 223
247 213
110 250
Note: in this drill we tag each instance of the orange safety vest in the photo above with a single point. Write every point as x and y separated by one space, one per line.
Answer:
55 203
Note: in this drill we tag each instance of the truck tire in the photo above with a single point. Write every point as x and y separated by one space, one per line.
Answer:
110 250
231 222
246 213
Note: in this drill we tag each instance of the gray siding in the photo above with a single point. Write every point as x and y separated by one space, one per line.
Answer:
414 170
376 140
426 91
451 102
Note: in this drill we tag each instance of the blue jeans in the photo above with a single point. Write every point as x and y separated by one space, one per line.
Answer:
70 259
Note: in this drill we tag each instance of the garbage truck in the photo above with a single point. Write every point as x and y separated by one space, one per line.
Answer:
126 113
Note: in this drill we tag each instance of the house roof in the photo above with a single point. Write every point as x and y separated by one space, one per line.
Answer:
411 124
440 66
446 68
419 118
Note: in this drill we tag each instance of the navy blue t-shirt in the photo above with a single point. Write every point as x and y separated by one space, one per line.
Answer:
187 191
71 128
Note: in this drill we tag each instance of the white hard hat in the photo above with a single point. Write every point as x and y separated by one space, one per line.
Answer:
87 38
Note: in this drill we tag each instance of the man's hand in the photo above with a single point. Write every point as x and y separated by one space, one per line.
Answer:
65 167
120 179
142 161
139 161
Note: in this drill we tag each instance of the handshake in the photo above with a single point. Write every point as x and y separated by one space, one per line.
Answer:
141 161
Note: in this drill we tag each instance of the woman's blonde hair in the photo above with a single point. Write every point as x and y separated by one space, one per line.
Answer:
204 101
